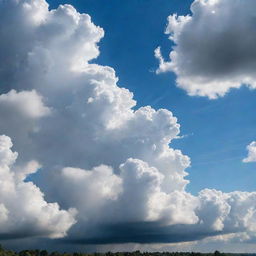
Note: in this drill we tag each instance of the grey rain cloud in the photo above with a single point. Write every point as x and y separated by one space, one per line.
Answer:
214 47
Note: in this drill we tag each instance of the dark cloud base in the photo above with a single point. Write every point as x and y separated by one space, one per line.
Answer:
143 233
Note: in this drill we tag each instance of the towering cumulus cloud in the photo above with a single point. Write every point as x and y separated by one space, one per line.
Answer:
214 47
107 164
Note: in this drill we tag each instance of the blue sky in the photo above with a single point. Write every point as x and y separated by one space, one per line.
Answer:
216 131
96 172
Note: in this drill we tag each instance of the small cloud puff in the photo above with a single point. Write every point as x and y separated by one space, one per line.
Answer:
251 153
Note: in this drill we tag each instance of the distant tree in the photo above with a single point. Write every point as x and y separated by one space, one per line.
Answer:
44 253
217 253
55 254
36 252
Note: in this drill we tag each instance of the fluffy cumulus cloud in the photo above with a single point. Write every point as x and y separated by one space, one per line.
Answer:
107 164
251 153
23 210
213 47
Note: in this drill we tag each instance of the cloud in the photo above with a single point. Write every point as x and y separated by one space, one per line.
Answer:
112 201
251 153
26 103
213 48
98 153
23 210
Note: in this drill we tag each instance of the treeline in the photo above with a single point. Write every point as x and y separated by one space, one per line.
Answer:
4 252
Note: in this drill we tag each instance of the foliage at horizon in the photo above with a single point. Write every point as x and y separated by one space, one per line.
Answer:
4 252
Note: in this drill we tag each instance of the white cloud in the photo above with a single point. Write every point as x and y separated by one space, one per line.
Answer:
228 211
23 210
26 103
134 195
214 47
97 154
251 153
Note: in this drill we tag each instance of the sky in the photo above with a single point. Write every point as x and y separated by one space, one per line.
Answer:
142 103
133 30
